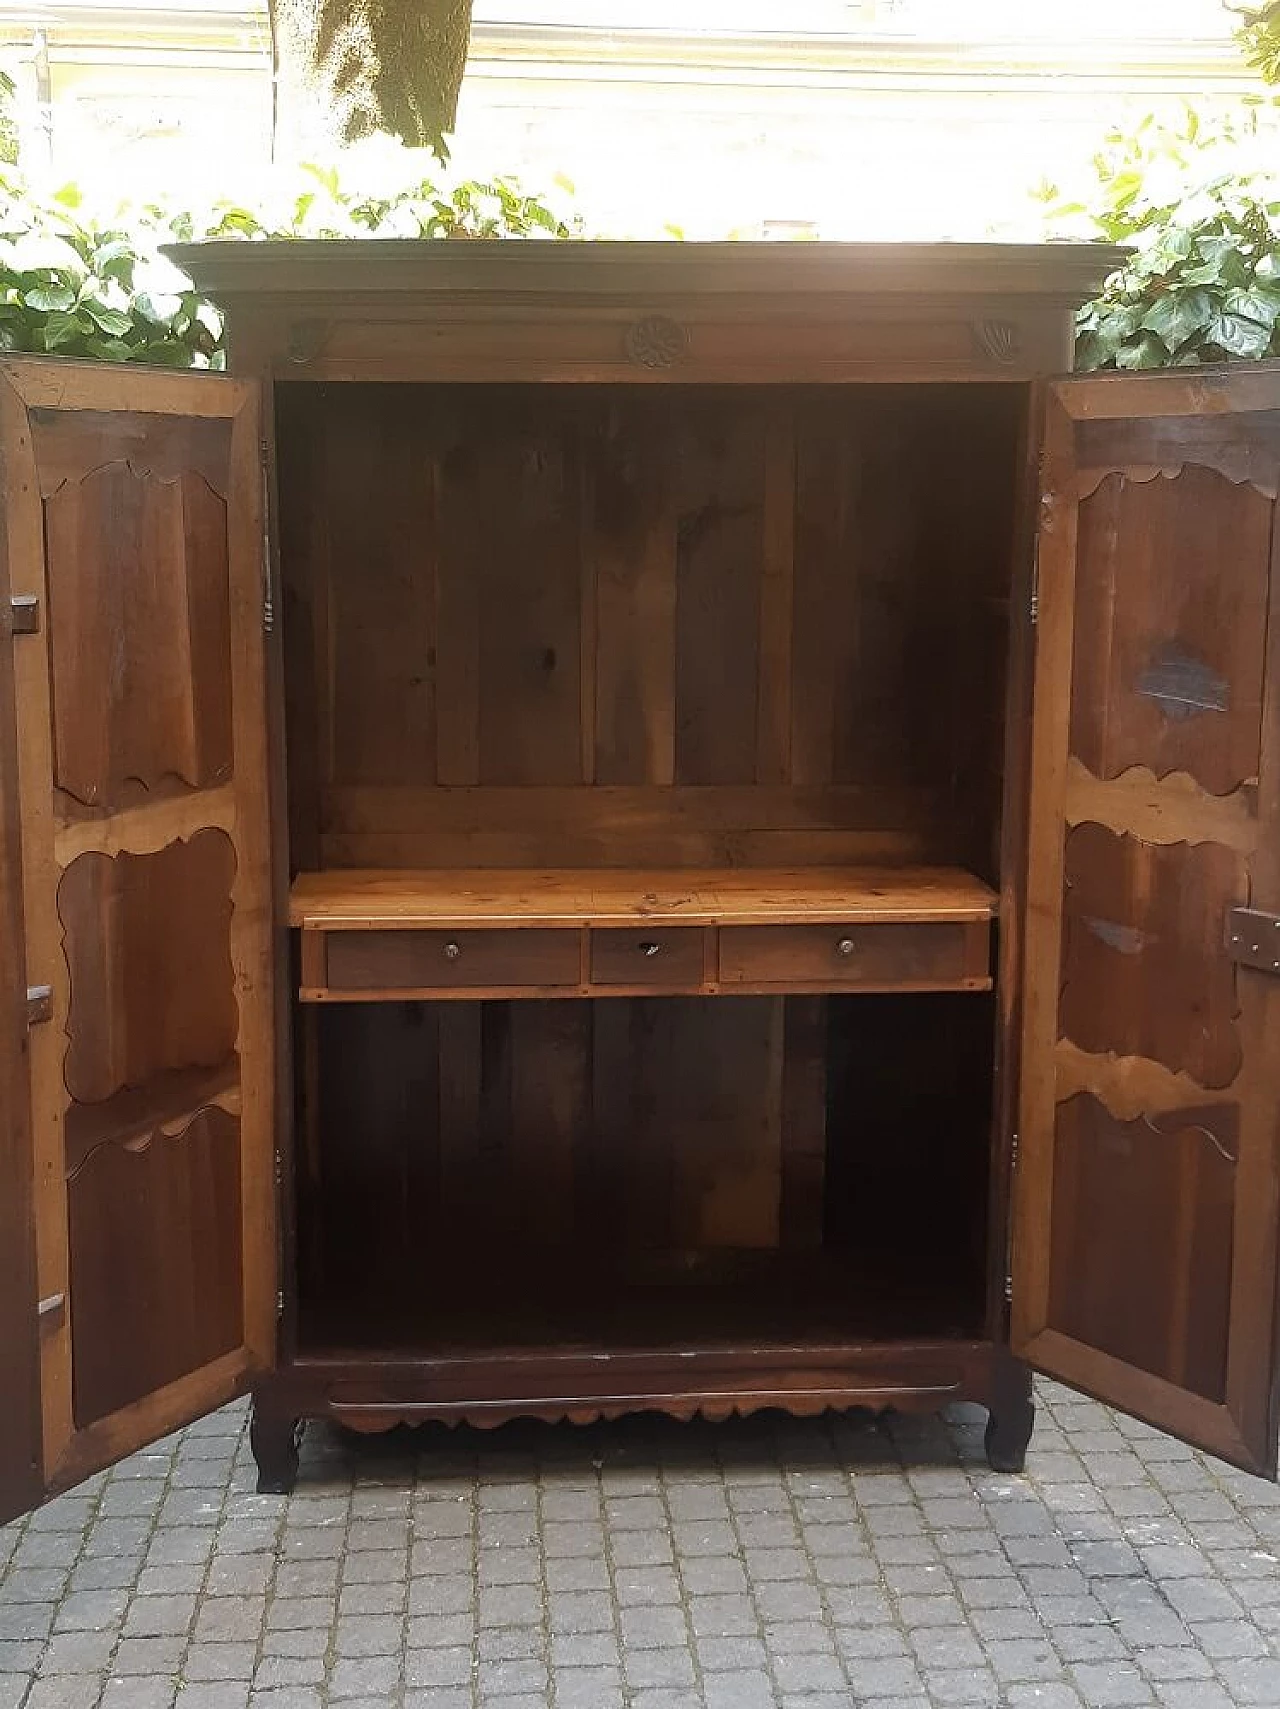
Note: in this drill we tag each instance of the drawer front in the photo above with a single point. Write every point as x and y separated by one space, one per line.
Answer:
641 957
942 953
411 960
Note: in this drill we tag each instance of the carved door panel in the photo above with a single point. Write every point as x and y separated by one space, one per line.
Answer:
1147 1195
133 529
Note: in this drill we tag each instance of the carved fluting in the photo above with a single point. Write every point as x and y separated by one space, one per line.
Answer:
998 340
657 341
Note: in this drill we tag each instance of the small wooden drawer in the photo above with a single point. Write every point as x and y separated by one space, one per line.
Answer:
913 955
644 956
418 961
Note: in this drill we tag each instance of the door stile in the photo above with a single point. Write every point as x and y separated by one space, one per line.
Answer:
45 965
1014 830
21 1446
1255 1281
1042 947
255 918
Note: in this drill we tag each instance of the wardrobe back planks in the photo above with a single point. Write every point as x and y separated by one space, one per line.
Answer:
747 626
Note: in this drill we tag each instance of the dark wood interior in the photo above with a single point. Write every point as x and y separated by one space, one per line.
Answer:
704 1171
563 659
583 626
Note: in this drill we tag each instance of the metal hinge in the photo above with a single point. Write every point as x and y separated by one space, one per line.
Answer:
1013 1150
279 1170
51 1312
24 614
1035 585
279 1304
1008 1287
39 1004
268 593
1253 938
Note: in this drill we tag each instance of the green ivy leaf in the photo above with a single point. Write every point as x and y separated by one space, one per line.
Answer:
61 329
108 349
49 298
1178 316
157 307
1239 336
1144 351
1258 302
115 322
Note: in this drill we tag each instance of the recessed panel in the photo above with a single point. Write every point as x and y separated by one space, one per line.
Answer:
146 938
140 634
156 1260
1143 971
1170 627
1151 1203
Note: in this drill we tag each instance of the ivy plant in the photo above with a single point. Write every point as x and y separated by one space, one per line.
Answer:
75 284
1259 35
1200 204
71 286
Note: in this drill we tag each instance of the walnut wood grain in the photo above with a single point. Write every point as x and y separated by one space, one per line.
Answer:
374 900
20 1417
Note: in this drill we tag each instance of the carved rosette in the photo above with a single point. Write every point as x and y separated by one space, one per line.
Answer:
657 341
999 341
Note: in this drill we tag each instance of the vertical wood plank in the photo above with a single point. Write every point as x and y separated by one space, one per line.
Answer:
719 556
632 554
804 1122
826 577
777 593
378 510
459 578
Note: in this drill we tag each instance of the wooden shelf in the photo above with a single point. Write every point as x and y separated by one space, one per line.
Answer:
385 936
757 896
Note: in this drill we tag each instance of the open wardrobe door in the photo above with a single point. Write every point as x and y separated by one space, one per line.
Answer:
137 1109
1147 1194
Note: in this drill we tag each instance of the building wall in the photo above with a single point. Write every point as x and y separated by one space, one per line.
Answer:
861 118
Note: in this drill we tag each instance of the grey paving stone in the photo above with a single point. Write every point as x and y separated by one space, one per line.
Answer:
657 1668
790 1565
144 1694
213 1694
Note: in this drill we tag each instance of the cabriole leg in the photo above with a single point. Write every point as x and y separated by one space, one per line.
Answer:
274 1438
1012 1415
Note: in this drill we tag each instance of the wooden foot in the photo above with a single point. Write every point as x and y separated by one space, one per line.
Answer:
274 1438
1012 1416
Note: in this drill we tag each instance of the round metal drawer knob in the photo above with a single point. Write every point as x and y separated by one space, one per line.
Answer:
845 946
649 948
452 951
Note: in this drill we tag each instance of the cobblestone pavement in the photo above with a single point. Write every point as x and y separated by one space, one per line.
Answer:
765 1564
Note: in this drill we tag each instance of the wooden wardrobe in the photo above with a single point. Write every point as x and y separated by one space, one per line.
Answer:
619 826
